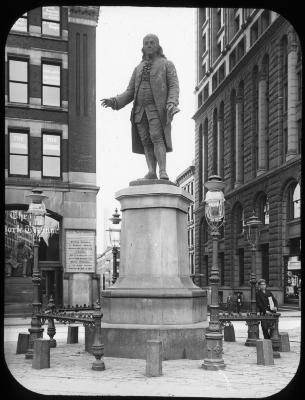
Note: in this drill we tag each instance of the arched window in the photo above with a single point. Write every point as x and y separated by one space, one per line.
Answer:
221 141
240 134
215 140
19 241
294 201
263 208
284 92
255 120
265 70
205 150
233 135
201 162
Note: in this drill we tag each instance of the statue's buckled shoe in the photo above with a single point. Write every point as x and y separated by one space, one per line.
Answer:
151 175
163 175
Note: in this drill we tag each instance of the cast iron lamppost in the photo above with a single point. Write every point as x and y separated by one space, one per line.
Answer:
214 213
36 216
114 235
252 236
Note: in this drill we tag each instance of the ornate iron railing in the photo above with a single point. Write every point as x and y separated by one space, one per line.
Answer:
80 316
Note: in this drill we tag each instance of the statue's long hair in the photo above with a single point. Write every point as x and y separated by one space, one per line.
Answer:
159 52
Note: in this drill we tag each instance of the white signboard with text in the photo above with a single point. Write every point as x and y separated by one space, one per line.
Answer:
80 251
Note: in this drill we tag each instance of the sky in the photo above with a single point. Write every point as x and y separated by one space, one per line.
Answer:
119 39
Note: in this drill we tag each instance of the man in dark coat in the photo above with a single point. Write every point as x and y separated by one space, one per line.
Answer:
266 304
154 88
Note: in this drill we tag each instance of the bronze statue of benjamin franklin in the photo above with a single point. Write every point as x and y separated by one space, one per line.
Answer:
154 88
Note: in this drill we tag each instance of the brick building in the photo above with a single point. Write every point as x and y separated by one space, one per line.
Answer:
248 131
186 181
50 137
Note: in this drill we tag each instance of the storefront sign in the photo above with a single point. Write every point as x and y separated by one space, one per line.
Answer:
80 251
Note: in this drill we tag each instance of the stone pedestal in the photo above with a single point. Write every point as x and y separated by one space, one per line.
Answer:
22 343
72 334
154 358
264 352
154 289
41 357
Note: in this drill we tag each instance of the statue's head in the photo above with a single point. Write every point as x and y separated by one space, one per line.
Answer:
151 46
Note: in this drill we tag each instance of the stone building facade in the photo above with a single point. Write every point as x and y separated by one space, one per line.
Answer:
186 181
50 143
248 131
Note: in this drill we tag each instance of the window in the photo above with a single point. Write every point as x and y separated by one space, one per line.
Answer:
218 19
255 119
18 81
232 59
18 153
192 188
236 24
51 21
51 152
204 43
214 82
284 97
51 85
204 69
293 202
233 136
21 25
218 49
263 209
265 20
206 92
199 99
253 33
240 49
296 198
221 75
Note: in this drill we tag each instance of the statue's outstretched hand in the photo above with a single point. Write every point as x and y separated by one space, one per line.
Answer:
108 103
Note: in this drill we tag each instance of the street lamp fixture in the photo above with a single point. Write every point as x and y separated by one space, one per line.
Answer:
251 229
214 214
114 236
36 217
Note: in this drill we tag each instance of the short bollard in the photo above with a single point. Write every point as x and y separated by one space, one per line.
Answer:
41 356
264 352
72 334
89 337
229 333
97 346
284 342
154 358
23 343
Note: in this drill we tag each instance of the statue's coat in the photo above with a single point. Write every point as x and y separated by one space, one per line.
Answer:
165 89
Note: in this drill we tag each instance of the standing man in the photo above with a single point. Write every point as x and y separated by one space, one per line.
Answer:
154 88
266 304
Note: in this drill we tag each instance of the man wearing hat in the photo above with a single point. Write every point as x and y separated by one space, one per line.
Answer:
266 304
154 88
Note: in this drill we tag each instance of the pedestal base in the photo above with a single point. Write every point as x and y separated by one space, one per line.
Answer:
213 360
178 341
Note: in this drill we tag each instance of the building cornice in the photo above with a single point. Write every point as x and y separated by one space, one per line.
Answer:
24 183
84 15
189 171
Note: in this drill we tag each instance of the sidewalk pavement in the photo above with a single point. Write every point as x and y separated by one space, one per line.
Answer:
71 373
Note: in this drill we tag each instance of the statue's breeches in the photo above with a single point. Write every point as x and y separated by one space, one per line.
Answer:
150 129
